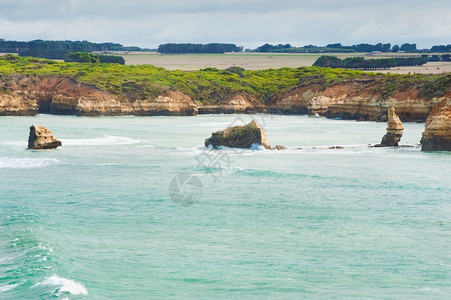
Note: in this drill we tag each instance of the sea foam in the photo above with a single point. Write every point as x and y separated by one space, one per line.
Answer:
27 163
64 285
8 287
103 141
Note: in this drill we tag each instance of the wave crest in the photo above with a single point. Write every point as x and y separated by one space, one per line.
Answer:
103 141
64 285
27 163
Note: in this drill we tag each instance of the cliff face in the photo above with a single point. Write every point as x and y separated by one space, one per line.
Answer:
437 133
234 104
357 99
62 95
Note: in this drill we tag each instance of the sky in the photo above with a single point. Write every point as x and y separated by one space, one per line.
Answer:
248 23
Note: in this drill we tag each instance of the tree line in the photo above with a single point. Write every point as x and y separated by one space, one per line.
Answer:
85 57
368 64
220 48
339 48
435 57
58 49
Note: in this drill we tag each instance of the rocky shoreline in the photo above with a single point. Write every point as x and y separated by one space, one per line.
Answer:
357 99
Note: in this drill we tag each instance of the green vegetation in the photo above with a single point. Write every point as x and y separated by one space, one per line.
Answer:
212 85
58 49
82 57
85 57
198 48
334 48
368 64
435 57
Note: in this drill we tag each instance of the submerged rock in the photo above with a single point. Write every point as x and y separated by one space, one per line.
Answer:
394 130
279 147
239 137
42 138
437 133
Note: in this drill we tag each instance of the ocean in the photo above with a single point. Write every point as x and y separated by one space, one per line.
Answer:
137 208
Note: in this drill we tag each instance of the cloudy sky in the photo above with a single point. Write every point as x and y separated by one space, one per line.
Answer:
249 23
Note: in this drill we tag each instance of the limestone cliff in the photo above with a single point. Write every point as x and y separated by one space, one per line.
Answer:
357 99
234 104
28 95
437 134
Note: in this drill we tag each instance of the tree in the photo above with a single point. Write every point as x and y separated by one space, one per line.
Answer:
172 48
328 61
395 48
112 59
368 64
265 48
446 57
406 47
82 57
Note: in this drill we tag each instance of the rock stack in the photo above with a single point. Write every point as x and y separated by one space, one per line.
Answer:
394 130
42 138
239 137
437 133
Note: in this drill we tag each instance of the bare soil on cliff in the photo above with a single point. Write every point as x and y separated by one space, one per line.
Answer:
261 61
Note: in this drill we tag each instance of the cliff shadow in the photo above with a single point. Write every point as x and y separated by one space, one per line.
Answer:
44 106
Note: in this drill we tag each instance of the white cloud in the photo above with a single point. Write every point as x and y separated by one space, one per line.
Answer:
148 23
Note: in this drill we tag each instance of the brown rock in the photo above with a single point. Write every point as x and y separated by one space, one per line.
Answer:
279 147
394 130
42 138
437 133
239 137
238 103
355 99
29 95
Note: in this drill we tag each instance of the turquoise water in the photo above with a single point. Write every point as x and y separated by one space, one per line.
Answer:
94 219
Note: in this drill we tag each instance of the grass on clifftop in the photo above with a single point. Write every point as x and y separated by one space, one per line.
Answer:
211 85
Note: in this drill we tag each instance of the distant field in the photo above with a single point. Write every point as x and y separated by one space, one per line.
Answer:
261 61
249 61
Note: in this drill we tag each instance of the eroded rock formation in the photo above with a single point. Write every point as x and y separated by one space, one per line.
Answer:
234 104
356 99
359 99
239 137
394 130
41 137
437 133
29 95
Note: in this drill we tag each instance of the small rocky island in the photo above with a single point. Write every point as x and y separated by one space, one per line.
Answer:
239 137
394 130
41 137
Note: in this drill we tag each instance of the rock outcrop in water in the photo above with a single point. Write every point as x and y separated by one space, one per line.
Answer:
394 130
41 137
437 133
239 137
